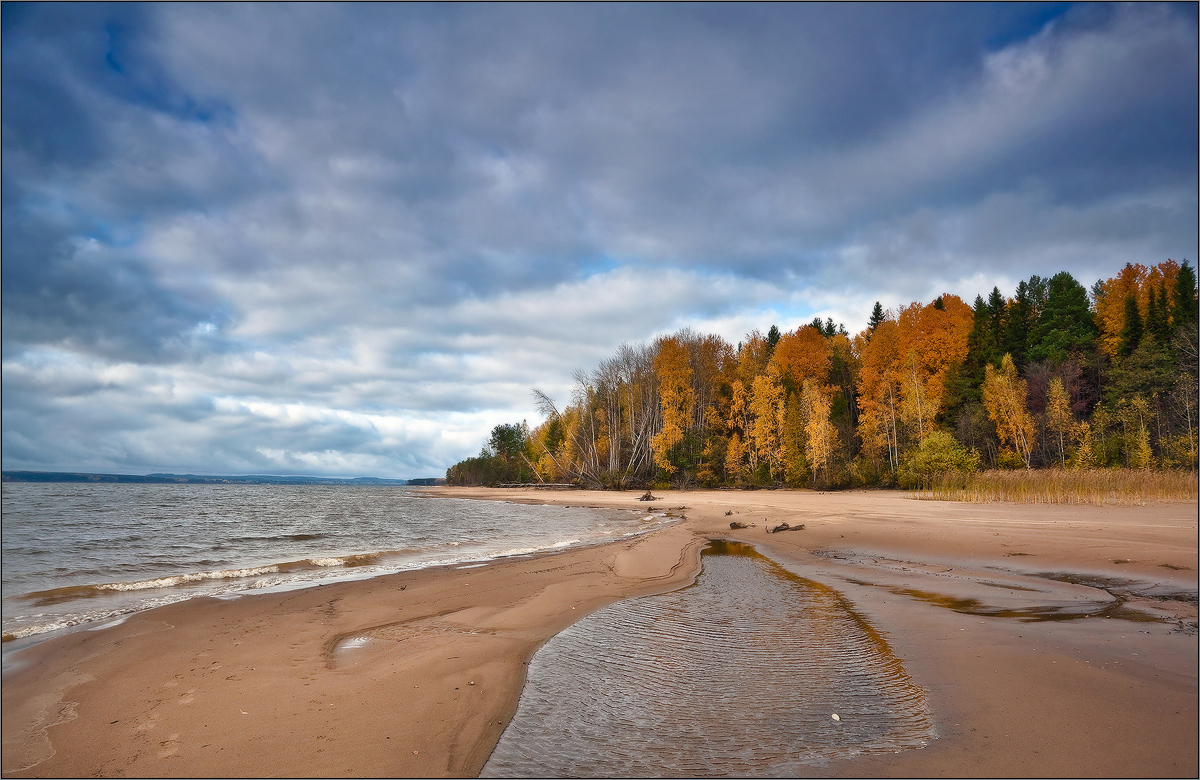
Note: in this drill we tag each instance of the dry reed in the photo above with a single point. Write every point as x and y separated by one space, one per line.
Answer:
1064 486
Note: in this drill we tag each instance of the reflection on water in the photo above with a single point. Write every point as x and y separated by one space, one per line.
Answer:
737 675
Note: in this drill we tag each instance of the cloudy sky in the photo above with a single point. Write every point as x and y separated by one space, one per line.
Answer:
348 239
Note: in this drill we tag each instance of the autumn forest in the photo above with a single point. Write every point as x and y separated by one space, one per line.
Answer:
1055 375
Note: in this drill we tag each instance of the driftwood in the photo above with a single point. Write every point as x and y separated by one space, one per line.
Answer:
736 524
647 497
727 514
785 527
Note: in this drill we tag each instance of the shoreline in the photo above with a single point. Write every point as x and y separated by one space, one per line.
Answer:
323 681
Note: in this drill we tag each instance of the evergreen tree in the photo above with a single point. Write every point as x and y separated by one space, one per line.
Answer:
1147 372
827 328
773 336
998 314
1163 332
1066 324
877 316
1131 332
1018 328
1184 312
1157 324
981 350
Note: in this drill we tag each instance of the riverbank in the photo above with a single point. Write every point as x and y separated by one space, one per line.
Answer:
416 674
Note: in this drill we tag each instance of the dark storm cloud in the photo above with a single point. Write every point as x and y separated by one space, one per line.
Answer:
347 238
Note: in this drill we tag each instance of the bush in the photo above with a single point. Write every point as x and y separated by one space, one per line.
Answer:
938 454
1009 460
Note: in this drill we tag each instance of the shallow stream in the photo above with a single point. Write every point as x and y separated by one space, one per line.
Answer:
740 674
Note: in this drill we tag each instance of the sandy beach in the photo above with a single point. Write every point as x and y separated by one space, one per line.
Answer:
1051 641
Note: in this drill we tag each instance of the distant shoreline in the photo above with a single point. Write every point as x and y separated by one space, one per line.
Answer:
195 479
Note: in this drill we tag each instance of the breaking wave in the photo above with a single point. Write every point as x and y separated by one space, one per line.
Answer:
71 592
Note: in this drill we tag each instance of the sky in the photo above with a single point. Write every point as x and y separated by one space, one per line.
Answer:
349 239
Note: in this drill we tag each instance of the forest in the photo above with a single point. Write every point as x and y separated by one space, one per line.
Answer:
1054 376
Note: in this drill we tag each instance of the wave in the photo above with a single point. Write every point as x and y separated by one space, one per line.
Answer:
102 618
73 592
283 538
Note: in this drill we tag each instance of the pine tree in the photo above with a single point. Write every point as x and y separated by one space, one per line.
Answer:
1022 315
1066 324
773 336
998 314
877 316
1158 324
1184 312
1131 332
963 385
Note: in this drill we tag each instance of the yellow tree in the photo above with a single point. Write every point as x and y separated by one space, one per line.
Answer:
1004 397
1059 418
752 357
1085 455
735 455
804 354
739 423
674 372
767 406
917 409
1136 280
1110 304
932 341
794 441
821 438
878 390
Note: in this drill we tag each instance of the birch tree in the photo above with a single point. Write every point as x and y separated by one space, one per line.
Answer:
821 436
674 372
1058 416
1004 397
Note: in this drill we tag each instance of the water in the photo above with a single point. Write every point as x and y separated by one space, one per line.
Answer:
78 555
737 675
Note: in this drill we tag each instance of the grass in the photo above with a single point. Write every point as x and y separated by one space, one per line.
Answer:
1064 486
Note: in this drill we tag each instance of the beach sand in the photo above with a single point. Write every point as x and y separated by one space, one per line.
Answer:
416 674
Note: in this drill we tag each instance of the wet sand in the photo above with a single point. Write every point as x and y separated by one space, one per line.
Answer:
416 674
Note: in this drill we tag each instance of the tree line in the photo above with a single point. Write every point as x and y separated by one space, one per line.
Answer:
1054 375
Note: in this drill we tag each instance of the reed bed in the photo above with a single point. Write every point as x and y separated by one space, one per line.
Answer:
1063 486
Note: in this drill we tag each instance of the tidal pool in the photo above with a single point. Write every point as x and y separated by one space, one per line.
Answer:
739 674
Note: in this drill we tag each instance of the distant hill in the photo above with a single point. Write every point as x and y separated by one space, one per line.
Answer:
195 479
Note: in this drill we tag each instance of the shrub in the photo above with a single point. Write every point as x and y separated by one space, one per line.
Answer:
1009 460
938 454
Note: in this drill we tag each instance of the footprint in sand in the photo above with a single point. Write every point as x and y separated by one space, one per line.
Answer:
148 724
187 698
169 746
